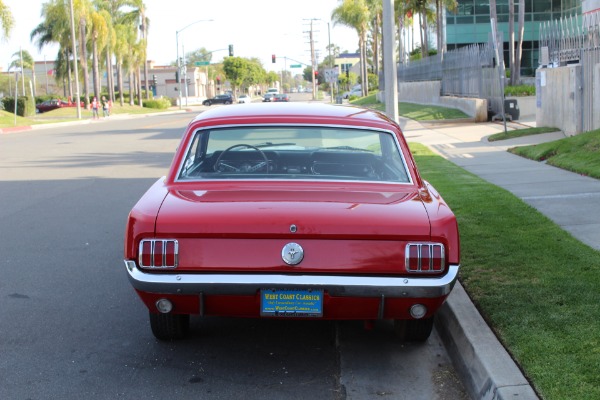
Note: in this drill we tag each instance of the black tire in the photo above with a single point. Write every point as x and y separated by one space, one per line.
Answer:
227 102
413 330
206 103
169 326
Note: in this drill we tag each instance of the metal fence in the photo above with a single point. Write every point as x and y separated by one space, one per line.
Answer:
470 71
575 40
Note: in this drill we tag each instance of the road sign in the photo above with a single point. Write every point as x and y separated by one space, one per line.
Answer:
199 63
295 66
331 75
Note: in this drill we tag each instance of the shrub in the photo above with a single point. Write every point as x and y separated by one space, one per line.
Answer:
519 90
160 103
25 106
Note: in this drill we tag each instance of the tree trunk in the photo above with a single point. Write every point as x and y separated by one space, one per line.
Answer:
511 39
140 93
519 52
95 68
131 87
120 81
83 61
110 83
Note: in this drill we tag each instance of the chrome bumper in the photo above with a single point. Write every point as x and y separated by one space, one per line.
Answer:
249 284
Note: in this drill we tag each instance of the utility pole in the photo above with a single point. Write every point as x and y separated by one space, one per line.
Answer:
313 58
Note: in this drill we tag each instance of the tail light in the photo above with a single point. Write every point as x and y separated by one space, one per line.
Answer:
428 258
159 253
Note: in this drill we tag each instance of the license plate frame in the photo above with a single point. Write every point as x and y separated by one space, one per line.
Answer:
305 303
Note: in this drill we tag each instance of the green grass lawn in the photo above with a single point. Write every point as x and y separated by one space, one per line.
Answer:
579 153
535 284
417 112
67 114
521 132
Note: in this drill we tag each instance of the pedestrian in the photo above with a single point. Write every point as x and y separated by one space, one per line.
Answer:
105 112
95 108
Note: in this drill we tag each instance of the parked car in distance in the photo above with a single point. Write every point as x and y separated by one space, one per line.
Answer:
281 97
244 98
219 99
53 104
353 92
292 210
268 97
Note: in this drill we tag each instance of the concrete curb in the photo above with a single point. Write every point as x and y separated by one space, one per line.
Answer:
483 364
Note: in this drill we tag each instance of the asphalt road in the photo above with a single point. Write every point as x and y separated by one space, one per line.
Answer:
71 327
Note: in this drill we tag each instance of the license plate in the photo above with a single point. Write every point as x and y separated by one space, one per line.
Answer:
291 303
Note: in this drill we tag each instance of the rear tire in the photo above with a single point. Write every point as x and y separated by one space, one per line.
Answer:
169 326
413 330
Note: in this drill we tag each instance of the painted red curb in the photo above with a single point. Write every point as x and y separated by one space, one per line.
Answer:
15 129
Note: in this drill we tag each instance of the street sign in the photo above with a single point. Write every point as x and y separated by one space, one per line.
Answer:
331 75
199 63
295 66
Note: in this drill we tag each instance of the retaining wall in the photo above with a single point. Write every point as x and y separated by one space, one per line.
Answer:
428 93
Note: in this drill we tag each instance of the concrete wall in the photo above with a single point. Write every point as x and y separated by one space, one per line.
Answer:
559 98
428 93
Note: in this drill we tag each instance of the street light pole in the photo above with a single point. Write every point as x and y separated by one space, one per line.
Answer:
178 61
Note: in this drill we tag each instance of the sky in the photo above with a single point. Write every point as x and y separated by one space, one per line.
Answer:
255 28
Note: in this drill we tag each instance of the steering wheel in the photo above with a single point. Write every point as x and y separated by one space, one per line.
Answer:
222 166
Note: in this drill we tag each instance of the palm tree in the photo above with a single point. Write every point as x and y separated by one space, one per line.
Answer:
121 49
138 16
116 42
6 20
99 36
376 10
440 5
83 9
403 14
56 28
519 51
355 14
24 60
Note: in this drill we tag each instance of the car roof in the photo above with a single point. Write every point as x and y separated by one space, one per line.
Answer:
301 113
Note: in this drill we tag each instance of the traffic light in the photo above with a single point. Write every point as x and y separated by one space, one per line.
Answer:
177 75
218 80
154 80
230 50
273 59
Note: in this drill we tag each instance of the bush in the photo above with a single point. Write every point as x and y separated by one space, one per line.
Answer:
519 90
25 106
160 103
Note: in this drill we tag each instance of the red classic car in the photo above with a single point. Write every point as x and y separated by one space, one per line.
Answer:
292 210
50 105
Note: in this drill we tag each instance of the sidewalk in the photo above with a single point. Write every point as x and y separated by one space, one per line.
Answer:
569 199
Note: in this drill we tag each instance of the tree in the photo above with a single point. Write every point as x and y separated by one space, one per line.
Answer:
355 14
6 19
516 77
236 69
439 12
56 28
99 36
376 11
199 55
138 17
26 62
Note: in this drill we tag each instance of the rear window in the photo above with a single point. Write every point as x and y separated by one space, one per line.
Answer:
294 152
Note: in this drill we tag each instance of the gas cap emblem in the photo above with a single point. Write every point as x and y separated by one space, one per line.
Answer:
292 253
